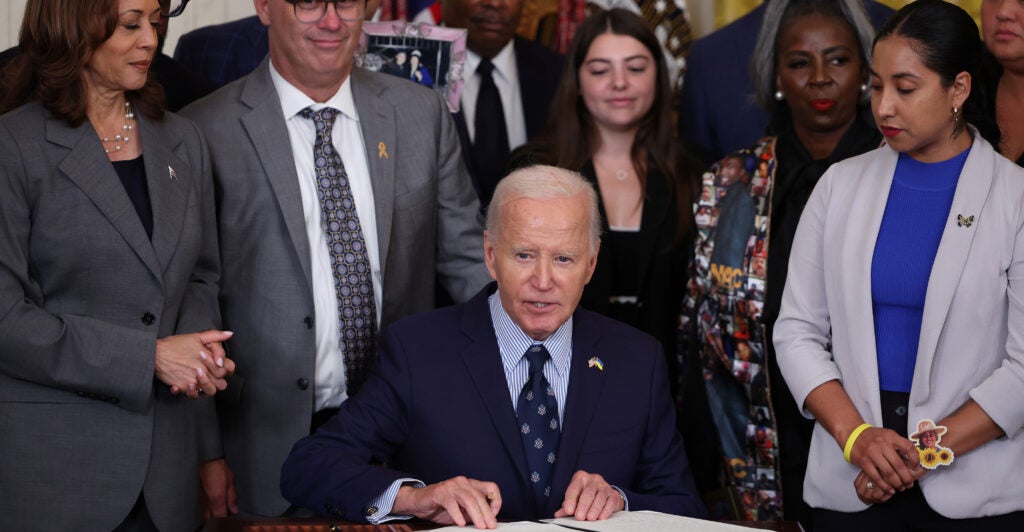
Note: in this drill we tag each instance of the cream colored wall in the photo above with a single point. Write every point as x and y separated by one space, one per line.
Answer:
198 13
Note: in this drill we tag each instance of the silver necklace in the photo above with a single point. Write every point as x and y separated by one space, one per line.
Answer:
123 137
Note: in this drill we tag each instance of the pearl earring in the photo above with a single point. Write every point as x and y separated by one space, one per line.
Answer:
863 87
779 96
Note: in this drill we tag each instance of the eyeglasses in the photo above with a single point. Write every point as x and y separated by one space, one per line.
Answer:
312 11
179 7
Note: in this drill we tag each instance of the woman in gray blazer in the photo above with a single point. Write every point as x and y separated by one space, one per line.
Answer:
108 279
904 307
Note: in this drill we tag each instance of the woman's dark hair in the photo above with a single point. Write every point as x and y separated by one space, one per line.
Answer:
58 37
946 40
568 139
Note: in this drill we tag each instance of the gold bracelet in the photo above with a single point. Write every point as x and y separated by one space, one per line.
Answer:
853 438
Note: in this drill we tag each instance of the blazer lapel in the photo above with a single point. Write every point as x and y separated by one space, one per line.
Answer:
169 181
652 217
951 258
857 242
88 167
266 127
484 365
378 123
585 387
531 88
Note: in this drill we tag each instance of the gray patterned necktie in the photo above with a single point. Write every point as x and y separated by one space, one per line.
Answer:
353 280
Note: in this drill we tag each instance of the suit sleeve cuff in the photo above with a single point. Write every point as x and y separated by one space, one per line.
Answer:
379 509
625 500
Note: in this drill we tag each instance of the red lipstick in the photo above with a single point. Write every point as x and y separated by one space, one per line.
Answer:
890 132
823 105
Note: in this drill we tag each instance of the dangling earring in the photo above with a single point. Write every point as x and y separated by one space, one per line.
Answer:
957 121
779 96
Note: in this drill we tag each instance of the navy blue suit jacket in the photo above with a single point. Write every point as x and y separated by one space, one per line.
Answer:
540 69
225 52
718 110
438 406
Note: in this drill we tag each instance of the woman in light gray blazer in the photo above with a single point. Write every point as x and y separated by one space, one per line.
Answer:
905 300
108 279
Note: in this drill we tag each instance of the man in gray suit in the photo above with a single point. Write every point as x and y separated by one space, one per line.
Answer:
406 215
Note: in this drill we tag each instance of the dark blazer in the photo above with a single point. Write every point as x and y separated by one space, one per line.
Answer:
661 268
181 85
225 52
438 405
540 69
428 231
84 294
718 109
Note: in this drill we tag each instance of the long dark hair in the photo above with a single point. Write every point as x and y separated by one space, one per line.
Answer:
947 44
57 39
568 139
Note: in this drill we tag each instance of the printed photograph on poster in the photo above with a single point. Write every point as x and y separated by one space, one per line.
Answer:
768 503
765 478
761 415
432 56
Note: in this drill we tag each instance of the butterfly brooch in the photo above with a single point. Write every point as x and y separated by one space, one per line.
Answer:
964 221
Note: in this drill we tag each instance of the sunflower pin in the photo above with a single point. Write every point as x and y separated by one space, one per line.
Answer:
927 438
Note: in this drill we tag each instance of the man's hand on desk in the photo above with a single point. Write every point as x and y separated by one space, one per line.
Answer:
218 483
452 502
590 498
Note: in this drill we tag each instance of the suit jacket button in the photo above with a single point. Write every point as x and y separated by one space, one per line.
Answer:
302 383
371 511
308 320
148 319
114 400
83 394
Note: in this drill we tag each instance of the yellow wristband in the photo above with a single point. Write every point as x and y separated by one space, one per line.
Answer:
853 439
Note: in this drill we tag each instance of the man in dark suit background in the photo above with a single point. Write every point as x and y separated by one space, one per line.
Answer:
453 405
334 218
718 113
525 75
224 52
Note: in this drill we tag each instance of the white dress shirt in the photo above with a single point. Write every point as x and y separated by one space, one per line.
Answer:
329 388
506 78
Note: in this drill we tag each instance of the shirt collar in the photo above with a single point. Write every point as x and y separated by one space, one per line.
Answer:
513 342
294 100
504 63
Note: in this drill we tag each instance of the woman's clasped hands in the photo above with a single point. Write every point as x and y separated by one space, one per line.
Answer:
194 364
888 463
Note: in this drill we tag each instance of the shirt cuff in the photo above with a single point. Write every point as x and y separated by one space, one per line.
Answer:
379 509
625 500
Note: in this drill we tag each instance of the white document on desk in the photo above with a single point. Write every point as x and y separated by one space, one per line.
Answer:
646 521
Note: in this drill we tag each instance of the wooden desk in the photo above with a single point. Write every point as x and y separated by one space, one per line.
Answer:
320 524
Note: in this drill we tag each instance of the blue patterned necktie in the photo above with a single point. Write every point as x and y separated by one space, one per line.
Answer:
537 412
353 281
